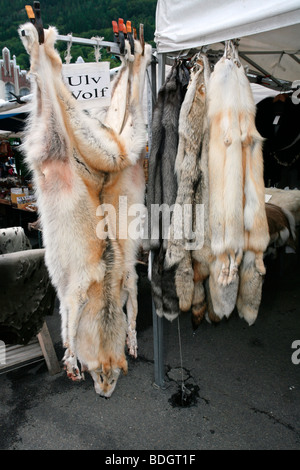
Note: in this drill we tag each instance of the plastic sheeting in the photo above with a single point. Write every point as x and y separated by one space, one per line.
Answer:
268 26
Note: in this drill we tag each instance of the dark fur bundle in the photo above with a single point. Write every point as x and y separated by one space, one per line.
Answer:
281 223
162 185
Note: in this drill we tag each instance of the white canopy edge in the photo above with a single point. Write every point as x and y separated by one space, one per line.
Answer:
195 23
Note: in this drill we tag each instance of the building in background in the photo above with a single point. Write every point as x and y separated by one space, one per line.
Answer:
12 79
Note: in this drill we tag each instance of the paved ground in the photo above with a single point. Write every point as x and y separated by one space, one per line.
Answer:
248 396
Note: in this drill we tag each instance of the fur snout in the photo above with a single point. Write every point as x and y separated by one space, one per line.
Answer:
105 384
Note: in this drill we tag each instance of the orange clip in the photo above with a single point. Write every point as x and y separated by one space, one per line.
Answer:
128 26
115 27
121 24
30 12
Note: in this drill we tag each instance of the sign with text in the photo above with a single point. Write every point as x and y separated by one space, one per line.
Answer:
89 83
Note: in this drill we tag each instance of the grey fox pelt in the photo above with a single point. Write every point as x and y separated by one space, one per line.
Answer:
190 130
236 199
79 163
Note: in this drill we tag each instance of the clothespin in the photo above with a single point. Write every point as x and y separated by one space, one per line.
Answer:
115 30
121 35
130 36
17 98
142 40
34 15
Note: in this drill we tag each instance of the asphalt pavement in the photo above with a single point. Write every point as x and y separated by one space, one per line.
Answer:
243 385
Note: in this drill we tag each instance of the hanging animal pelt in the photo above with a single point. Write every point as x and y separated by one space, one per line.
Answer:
190 130
162 182
187 167
78 164
162 188
237 214
192 256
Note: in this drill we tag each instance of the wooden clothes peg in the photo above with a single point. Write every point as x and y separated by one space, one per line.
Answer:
34 15
130 36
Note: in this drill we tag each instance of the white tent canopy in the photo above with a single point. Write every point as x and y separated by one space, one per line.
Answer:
268 30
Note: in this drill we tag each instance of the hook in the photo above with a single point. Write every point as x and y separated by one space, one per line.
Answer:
230 51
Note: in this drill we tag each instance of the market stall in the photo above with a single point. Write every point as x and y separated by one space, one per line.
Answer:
267 38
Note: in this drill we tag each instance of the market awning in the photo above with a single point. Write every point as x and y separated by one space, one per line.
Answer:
269 31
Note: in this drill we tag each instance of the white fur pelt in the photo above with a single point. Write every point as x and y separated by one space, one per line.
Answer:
73 157
237 215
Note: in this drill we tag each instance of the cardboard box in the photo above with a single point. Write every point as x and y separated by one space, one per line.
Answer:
26 202
16 192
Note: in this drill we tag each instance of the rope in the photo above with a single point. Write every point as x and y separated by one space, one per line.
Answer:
67 55
97 48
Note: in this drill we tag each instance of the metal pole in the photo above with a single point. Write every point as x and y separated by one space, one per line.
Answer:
158 344
158 322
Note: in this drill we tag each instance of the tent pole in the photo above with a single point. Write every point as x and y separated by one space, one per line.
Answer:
161 58
158 322
267 74
293 56
158 344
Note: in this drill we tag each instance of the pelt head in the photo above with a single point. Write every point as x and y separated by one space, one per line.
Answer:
105 383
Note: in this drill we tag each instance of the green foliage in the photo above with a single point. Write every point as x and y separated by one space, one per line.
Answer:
87 19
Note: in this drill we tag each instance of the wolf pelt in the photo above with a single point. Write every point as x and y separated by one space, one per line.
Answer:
72 157
237 213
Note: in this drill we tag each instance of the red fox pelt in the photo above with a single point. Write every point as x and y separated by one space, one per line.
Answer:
237 215
79 163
